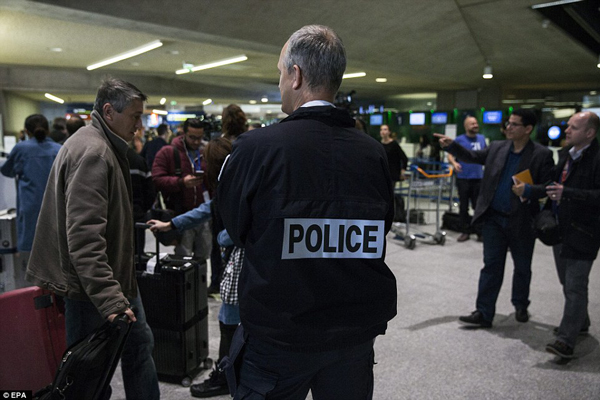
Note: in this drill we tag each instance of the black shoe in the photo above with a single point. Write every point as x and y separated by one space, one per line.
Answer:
476 318
582 332
463 237
213 290
215 385
560 349
522 315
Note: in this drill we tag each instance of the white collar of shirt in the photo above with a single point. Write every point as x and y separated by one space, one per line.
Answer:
576 154
316 103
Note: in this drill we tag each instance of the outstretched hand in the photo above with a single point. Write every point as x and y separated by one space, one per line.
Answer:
445 141
159 226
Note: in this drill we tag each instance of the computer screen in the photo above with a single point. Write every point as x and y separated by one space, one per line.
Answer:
376 119
492 117
417 118
439 118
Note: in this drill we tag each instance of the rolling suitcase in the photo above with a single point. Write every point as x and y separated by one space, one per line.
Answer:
88 365
32 338
175 300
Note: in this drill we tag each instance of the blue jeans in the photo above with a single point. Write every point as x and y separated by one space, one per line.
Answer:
137 365
274 373
498 237
574 277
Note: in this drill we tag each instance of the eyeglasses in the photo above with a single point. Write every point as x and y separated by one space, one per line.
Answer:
509 124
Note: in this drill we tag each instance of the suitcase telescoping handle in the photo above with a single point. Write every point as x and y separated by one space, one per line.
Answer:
141 225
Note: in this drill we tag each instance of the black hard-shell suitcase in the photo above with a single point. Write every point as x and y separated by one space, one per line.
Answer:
175 301
88 365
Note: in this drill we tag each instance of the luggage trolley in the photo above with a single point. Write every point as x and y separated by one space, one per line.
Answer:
421 183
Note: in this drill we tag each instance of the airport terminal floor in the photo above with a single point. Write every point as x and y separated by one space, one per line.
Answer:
426 354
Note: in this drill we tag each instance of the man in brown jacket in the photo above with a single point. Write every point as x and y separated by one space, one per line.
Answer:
83 245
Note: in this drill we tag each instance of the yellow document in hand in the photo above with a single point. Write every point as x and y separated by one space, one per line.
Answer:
525 177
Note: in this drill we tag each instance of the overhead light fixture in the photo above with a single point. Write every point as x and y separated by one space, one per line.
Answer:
354 75
252 102
160 112
598 62
55 49
554 3
128 54
381 80
487 72
264 99
54 98
212 65
163 101
206 102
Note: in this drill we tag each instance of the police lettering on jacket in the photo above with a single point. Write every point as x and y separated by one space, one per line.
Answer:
332 238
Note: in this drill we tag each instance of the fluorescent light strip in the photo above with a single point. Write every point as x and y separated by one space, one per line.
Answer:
381 80
160 112
212 65
554 3
54 98
355 75
206 102
128 54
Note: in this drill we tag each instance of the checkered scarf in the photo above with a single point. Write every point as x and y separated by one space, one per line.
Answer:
231 276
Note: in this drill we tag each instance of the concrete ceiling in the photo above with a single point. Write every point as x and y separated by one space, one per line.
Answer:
421 46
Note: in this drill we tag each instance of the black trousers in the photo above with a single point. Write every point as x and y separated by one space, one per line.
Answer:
468 190
267 372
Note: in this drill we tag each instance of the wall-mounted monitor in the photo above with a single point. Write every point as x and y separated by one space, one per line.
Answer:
417 118
492 117
376 119
439 118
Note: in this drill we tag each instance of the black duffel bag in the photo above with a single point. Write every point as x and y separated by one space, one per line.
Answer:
88 365
546 227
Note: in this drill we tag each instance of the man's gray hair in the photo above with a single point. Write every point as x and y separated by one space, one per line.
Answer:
319 53
118 93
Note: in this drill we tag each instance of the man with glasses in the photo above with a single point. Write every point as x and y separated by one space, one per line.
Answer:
507 218
182 183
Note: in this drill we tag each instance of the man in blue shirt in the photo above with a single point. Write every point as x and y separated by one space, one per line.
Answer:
468 177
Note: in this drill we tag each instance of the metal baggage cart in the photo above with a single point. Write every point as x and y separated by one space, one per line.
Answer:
424 184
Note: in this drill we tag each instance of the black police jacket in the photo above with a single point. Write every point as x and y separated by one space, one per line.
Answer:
311 201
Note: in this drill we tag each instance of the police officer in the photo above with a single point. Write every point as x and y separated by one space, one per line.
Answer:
311 201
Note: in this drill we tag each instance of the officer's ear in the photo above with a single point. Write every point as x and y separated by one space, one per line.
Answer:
297 83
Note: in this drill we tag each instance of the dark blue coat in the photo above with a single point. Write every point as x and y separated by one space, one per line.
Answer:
310 199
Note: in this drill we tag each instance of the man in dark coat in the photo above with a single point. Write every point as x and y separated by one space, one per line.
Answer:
507 218
575 197
310 199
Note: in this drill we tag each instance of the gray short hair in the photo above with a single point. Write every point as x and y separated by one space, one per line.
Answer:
320 54
118 93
